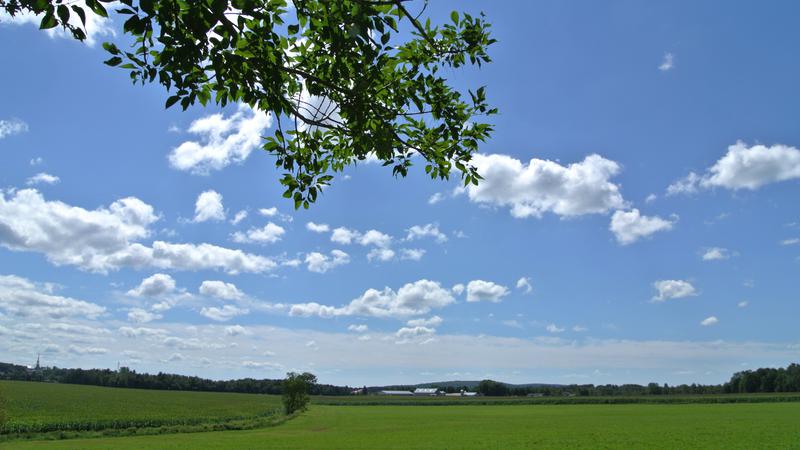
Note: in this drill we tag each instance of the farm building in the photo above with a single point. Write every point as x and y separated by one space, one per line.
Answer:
430 392
408 393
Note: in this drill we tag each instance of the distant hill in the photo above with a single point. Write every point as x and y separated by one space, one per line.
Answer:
470 384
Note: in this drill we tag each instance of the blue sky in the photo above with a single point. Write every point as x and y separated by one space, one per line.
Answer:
638 221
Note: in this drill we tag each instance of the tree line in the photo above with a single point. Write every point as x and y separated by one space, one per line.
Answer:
128 378
764 380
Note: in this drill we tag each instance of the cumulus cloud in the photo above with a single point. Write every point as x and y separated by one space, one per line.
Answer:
541 186
209 207
553 328
744 167
320 263
268 234
344 236
227 312
716 253
104 239
458 289
222 140
12 126
42 178
380 254
708 321
153 286
24 298
376 238
480 290
428 230
78 350
220 289
360 328
412 299
670 289
524 284
414 334
630 226
318 227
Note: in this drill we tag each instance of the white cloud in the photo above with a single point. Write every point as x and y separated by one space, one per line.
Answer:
541 186
102 239
131 332
376 238
668 63
320 263
95 28
268 212
458 289
716 253
744 167
318 227
236 330
12 126
524 283
412 254
743 304
708 321
344 236
792 241
223 141
240 216
262 365
553 328
380 254
431 322
651 198
24 298
412 299
630 226
139 315
36 161
361 328
227 312
153 286
435 198
220 289
669 289
478 290
42 178
268 234
579 329
209 207
427 230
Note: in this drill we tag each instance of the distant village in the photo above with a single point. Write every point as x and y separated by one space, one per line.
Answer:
425 392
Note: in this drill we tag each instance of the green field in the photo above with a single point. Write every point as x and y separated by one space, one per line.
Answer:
362 426
44 407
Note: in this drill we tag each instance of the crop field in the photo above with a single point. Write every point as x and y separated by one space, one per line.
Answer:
724 426
88 415
44 407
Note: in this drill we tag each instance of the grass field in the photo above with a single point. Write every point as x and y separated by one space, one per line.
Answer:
44 407
706 426
461 424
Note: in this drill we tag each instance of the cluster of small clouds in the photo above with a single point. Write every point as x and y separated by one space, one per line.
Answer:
380 243
107 238
11 127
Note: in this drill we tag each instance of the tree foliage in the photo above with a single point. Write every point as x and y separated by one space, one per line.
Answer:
346 80
296 387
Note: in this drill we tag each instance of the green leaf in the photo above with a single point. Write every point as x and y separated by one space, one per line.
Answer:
113 61
49 20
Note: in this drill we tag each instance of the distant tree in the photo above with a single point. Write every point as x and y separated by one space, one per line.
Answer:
493 388
346 80
296 387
